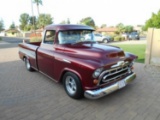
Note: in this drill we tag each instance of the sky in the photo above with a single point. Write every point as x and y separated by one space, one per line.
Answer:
109 12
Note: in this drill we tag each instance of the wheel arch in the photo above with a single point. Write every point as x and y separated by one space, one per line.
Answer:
25 57
72 71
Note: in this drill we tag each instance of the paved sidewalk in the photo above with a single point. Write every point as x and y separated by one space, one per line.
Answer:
32 96
3 42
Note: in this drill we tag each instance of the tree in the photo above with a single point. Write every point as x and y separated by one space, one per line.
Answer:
128 28
65 21
103 25
154 21
88 21
68 21
12 26
43 20
38 2
33 22
1 25
120 27
24 20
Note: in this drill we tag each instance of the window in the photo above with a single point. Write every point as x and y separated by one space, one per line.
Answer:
74 36
49 37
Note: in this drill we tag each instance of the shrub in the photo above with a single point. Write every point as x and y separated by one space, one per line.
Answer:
35 35
112 37
117 32
122 38
117 38
0 38
35 39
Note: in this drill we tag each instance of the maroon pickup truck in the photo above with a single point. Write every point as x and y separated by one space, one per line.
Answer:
70 54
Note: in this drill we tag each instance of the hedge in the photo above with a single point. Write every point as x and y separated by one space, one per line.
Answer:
119 38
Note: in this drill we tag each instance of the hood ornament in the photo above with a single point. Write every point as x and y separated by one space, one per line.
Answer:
119 63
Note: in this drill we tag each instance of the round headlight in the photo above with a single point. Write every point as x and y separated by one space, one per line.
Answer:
97 72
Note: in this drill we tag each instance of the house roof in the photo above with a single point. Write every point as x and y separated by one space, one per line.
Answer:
107 29
12 30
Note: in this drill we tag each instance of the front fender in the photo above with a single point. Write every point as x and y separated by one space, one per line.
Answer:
131 56
83 69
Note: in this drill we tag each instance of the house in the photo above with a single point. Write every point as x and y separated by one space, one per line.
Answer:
12 32
2 33
138 28
107 30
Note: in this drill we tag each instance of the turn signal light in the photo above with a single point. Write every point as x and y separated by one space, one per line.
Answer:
132 67
95 81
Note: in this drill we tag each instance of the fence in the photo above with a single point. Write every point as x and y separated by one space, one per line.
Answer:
153 47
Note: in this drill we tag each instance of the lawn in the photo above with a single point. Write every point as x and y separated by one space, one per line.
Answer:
137 49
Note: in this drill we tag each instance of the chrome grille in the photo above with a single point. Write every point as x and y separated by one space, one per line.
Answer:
114 74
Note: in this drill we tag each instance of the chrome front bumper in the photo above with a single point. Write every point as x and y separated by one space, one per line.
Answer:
95 94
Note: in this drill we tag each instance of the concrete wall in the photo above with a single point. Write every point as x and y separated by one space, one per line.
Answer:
153 47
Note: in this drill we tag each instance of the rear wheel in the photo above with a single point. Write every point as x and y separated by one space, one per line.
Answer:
28 65
72 85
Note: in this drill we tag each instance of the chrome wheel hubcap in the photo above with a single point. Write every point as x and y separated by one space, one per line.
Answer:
28 64
71 85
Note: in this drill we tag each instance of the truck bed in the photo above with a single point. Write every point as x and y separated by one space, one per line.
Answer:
29 50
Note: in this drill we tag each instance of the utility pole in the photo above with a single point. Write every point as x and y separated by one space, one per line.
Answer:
32 15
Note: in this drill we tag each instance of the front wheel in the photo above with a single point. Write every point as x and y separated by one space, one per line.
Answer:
72 85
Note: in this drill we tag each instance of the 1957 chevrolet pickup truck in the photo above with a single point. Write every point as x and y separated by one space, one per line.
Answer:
70 54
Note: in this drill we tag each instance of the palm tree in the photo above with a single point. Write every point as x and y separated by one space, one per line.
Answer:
37 2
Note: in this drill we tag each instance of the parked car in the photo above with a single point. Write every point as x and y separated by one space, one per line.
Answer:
85 67
125 35
133 36
102 38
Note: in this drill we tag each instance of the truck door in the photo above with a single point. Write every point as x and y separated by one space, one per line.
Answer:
45 54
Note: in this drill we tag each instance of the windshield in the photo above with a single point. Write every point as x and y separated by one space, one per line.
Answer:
75 36
134 33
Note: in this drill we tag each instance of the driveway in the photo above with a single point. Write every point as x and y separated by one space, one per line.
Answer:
32 96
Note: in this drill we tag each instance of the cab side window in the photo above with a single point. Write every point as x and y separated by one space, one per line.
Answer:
49 37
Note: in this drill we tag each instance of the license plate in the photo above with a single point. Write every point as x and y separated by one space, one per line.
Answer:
121 84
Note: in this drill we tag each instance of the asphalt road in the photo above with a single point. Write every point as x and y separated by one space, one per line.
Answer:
12 40
9 42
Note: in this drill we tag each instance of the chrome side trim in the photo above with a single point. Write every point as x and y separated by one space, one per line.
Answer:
95 94
63 60
67 61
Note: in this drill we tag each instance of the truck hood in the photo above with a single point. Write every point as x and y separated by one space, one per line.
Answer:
103 54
